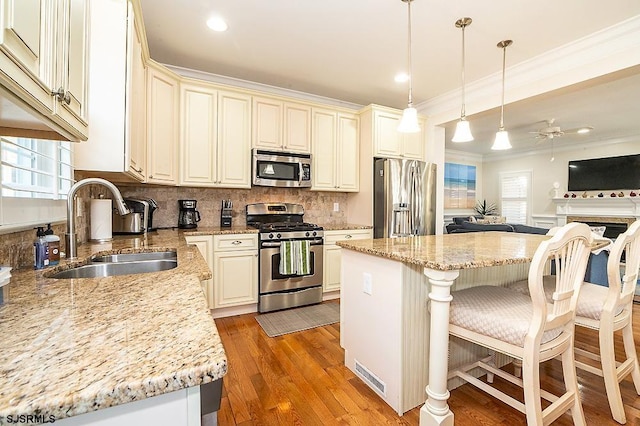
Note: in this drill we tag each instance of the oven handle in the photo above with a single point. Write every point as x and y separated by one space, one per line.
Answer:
316 242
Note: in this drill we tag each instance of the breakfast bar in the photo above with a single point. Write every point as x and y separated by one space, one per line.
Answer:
395 309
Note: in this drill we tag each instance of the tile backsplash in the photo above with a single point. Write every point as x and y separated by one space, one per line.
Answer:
318 205
16 249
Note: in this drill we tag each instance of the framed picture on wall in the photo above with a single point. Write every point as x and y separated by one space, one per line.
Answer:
459 186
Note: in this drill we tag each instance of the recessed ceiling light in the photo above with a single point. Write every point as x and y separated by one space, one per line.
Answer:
401 77
585 130
216 23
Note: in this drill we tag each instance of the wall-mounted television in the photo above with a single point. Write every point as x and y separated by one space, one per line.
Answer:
605 173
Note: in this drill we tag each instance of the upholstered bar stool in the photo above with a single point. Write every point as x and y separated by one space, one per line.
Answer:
609 310
527 328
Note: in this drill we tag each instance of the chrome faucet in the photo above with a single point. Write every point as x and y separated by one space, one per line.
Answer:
70 236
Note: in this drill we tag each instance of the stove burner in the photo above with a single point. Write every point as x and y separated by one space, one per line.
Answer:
288 226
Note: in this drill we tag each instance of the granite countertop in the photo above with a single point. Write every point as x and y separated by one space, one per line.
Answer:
71 346
216 230
344 226
457 251
453 251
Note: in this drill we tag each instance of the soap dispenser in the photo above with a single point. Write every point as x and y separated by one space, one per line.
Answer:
53 242
40 256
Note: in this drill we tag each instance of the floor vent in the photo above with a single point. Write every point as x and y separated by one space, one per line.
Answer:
371 379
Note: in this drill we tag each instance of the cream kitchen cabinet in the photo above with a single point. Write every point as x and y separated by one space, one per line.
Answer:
215 137
335 155
333 256
281 126
116 147
388 142
43 63
205 246
163 125
235 270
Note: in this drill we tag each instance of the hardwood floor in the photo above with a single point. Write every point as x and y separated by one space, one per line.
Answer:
300 379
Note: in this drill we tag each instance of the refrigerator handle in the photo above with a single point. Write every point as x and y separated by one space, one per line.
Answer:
414 200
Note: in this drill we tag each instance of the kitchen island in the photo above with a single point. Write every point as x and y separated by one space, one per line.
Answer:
395 308
132 345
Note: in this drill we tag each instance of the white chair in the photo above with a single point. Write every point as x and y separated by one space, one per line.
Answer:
527 329
609 310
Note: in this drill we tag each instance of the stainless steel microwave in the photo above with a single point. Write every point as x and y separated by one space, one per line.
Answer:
273 168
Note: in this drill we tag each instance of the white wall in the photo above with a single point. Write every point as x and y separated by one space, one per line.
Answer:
546 172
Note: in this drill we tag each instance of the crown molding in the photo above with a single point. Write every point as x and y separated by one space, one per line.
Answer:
259 87
558 147
611 49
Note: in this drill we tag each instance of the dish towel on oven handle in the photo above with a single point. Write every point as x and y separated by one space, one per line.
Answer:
295 258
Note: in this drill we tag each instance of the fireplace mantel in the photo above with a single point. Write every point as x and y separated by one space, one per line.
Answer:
626 207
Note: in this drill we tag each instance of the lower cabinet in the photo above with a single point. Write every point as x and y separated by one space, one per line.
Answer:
233 260
205 246
333 254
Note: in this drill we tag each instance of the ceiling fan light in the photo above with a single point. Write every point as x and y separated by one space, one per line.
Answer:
463 132
502 141
409 121
584 130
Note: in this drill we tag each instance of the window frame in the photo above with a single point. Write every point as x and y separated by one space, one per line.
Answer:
24 212
528 175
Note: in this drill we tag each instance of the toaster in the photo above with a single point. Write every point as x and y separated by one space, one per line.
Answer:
135 222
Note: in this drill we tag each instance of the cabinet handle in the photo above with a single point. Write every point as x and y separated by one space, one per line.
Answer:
140 170
62 96
150 176
236 242
348 236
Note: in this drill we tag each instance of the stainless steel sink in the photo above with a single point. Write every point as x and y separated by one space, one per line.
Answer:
135 257
122 264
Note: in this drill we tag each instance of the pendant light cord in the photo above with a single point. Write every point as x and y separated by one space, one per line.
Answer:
504 61
463 112
410 63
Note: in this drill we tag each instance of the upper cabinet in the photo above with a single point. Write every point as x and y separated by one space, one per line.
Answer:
163 125
43 63
388 142
117 136
335 142
215 137
281 126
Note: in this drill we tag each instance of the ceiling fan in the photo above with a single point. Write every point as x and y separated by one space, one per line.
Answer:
551 131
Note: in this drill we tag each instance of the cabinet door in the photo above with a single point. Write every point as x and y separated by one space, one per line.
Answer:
72 61
162 131
348 152
137 105
198 134
23 32
386 139
26 51
205 246
413 143
324 149
234 140
267 123
297 128
332 265
235 278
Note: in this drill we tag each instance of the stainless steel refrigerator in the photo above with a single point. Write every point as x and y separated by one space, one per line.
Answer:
404 198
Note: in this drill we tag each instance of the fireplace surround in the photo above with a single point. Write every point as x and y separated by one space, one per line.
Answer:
615 213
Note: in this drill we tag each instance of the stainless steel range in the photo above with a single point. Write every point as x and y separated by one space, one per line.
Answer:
278 223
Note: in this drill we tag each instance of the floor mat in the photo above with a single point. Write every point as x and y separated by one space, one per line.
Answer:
298 319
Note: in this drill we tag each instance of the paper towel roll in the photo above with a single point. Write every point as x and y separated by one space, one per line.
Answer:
101 212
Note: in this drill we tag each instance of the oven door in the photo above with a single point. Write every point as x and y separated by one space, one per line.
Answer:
272 281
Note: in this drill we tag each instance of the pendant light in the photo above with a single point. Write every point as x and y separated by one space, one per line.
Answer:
409 120
463 131
502 137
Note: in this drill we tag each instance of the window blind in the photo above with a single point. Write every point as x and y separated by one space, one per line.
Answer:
515 194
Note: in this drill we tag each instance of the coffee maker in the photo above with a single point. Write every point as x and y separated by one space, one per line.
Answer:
188 217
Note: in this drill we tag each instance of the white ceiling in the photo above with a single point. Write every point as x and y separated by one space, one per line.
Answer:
351 49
